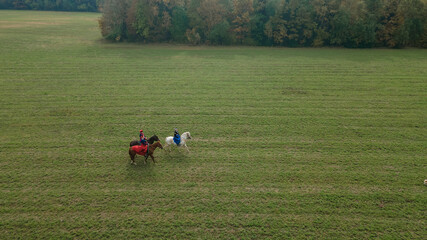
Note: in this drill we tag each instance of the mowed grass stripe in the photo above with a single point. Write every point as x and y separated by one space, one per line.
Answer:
287 143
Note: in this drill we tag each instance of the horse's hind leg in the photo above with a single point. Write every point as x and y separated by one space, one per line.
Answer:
132 156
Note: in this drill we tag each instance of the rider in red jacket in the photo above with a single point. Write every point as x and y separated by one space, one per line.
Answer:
142 138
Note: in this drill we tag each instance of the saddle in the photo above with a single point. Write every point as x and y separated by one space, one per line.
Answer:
140 149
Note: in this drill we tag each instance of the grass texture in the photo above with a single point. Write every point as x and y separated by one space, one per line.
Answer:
287 143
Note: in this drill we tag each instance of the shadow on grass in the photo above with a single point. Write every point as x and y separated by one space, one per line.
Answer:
175 155
142 171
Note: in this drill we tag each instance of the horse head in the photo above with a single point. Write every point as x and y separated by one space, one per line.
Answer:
186 135
152 139
155 138
158 144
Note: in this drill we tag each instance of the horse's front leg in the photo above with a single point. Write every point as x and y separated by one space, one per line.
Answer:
185 145
145 160
152 158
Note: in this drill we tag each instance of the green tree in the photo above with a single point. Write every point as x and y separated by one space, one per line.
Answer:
412 29
352 26
180 24
258 19
6 4
220 34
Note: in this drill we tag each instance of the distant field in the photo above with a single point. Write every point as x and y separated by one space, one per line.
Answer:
287 143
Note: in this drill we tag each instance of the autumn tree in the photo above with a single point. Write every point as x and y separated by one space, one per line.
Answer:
348 23
113 21
212 13
323 13
293 24
242 10
390 22
275 28
153 21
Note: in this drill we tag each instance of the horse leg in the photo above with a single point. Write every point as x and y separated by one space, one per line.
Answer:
132 156
185 145
152 158
168 147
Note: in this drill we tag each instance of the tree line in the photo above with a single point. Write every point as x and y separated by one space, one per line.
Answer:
51 5
292 23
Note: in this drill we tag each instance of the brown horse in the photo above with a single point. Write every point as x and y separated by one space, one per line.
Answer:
151 148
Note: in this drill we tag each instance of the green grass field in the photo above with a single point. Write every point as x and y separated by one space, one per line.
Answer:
287 143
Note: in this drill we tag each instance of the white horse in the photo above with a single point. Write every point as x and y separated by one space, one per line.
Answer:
184 137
